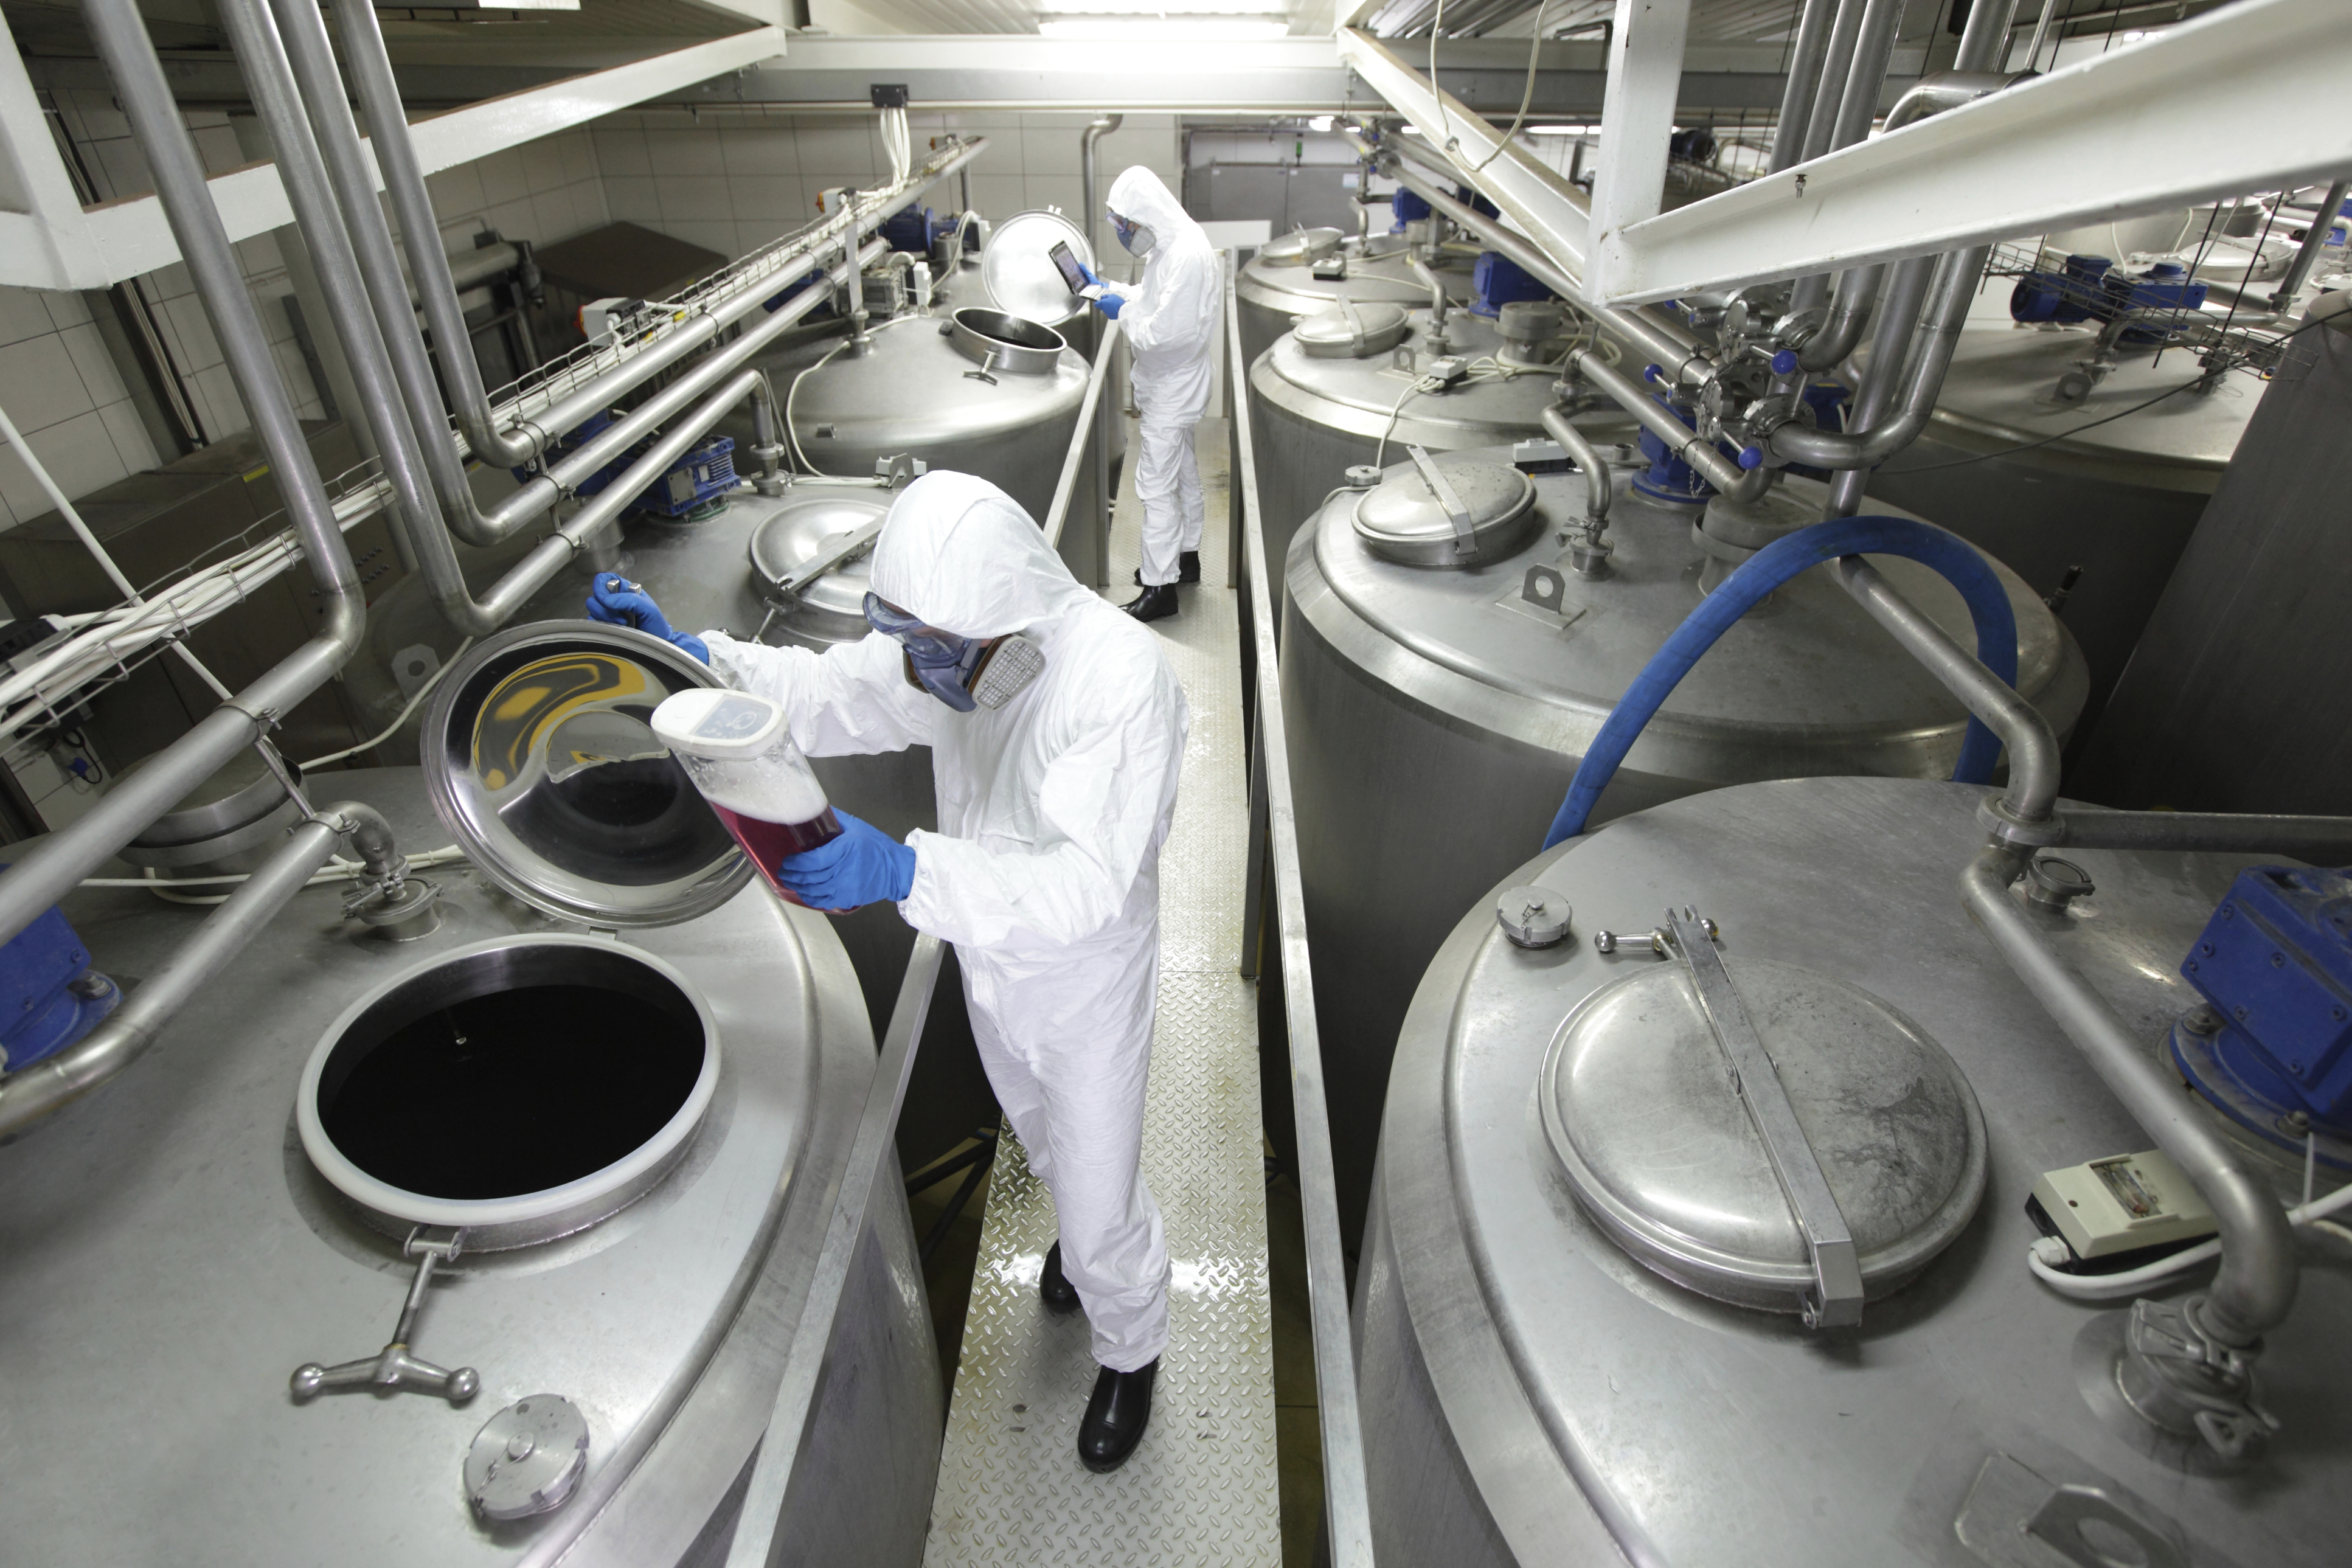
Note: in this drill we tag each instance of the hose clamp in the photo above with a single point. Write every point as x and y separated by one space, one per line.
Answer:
2013 834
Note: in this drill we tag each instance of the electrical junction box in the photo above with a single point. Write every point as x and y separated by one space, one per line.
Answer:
1541 455
1449 372
2122 1203
597 318
1330 270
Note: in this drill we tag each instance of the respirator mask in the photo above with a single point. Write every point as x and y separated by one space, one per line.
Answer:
964 673
1137 238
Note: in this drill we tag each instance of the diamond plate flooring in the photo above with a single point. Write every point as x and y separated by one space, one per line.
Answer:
1202 1488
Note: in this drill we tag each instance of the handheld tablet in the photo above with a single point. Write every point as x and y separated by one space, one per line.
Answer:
1072 273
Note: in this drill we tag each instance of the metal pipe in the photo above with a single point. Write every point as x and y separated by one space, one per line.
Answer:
796 1401
1947 89
1436 286
1837 67
371 70
1588 462
125 1033
1089 142
55 867
2040 30
1727 476
1873 49
1805 58
2322 840
1346 1509
1876 435
2256 1284
2315 239
2033 752
1857 290
1984 39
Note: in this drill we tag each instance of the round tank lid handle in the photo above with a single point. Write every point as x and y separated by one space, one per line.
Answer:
1784 363
1751 457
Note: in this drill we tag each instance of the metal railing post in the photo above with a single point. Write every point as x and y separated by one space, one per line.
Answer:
1347 1504
1082 436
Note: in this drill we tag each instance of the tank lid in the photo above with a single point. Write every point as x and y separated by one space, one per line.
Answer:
812 516
241 792
539 756
1643 1112
1300 246
1352 331
1420 512
1020 275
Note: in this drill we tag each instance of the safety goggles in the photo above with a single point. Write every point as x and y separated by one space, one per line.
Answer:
963 672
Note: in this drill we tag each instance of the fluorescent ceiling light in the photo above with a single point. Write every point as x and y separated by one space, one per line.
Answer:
1561 130
1224 29
1319 122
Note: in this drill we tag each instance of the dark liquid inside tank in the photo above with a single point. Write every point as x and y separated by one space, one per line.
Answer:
512 1093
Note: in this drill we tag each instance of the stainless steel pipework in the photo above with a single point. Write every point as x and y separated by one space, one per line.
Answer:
126 1033
53 868
1984 39
1805 61
1873 49
1857 290
1727 476
1837 67
371 70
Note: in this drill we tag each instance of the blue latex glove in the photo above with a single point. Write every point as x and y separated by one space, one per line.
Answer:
1109 305
864 866
1087 273
617 602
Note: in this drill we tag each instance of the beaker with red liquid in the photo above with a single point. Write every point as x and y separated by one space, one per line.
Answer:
737 750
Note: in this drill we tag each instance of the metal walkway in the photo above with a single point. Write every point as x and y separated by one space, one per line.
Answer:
1202 1488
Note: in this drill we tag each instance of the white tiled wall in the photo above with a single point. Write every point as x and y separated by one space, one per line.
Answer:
60 383
733 180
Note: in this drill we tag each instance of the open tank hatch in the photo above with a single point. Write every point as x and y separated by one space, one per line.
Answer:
523 1088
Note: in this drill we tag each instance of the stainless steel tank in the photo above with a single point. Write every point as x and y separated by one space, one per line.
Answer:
722 572
1437 714
2117 499
1533 1394
638 1128
1345 388
1280 285
977 391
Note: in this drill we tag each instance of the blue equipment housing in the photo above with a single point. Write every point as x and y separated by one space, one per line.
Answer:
775 303
50 995
1668 477
705 475
1497 280
913 228
2275 1053
2092 287
1408 207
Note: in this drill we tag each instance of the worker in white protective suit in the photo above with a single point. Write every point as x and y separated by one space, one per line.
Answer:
1170 321
1056 732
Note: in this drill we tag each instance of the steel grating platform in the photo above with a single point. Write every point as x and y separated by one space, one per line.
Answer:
1202 1488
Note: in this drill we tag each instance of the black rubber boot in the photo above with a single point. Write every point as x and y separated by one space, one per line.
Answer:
1115 1417
1187 570
1153 603
1061 1295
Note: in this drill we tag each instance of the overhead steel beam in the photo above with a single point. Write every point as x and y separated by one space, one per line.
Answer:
51 241
1646 69
2262 81
1538 203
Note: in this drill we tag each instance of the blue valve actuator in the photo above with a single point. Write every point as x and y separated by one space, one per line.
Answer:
1784 363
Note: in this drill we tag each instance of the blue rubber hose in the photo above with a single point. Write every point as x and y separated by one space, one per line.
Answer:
1767 569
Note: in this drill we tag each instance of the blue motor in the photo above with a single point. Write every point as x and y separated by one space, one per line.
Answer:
2094 287
50 995
1497 280
1475 202
2273 1050
588 430
697 487
2071 295
1408 206
2164 287
775 303
1668 477
913 228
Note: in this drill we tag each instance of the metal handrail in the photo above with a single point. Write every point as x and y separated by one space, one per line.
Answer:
1273 837
797 1393
1082 436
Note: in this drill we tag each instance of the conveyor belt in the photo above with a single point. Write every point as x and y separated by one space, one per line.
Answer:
1200 1489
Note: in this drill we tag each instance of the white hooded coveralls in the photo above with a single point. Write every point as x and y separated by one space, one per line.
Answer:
1045 869
1170 321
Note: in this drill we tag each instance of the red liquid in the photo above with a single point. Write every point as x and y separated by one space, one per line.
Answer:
769 842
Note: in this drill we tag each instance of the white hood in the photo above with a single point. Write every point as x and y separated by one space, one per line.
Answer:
961 554
1139 197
